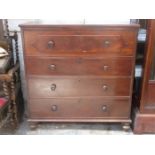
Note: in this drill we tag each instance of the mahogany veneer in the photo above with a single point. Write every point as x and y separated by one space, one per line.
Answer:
79 73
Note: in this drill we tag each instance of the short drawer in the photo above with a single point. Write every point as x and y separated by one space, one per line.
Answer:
46 43
48 87
79 66
79 108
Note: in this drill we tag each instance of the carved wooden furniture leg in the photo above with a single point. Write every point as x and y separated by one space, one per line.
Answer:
14 106
5 89
126 126
7 35
11 78
7 96
16 46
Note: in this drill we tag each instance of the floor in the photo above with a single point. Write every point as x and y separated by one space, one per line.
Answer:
67 129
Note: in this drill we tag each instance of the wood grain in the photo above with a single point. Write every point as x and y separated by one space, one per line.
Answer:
81 108
79 73
41 87
81 65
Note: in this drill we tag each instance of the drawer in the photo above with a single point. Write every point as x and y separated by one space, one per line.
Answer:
46 43
79 66
79 108
48 87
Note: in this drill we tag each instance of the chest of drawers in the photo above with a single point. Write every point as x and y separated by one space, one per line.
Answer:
79 73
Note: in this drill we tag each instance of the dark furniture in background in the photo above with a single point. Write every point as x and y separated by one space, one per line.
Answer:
79 73
11 99
145 109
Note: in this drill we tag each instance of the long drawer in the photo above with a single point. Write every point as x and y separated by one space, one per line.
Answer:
56 42
79 66
48 87
79 108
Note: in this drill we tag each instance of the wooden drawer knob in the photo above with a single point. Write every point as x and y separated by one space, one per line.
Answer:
105 87
107 43
53 87
105 68
52 67
54 108
104 108
50 44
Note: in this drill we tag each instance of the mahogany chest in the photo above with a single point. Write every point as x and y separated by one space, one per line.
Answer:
79 73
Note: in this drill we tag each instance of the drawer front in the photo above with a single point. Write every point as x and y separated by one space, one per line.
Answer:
79 108
79 66
45 43
48 87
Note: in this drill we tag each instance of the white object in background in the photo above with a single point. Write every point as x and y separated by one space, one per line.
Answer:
138 71
3 52
14 23
86 20
103 20
61 21
142 35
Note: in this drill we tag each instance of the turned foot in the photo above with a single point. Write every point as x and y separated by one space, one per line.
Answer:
126 126
33 125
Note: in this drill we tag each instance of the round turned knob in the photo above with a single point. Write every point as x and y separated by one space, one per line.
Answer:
84 51
54 108
105 87
53 87
105 68
104 108
50 44
52 67
106 43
